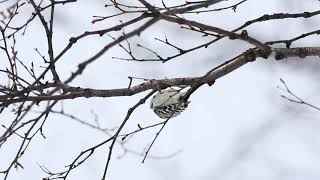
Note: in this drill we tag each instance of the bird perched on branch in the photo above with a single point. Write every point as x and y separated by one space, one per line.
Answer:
169 103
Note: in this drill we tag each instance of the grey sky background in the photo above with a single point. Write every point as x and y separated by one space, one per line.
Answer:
240 128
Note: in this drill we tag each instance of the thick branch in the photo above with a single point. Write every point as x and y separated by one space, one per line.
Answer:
248 56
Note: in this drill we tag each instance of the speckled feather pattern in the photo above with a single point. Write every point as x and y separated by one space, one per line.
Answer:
167 104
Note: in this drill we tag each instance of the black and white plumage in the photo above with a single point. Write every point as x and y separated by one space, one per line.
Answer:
169 103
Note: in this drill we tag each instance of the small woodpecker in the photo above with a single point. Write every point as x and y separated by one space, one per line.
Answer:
169 103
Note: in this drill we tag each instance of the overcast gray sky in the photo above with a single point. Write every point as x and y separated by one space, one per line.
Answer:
240 128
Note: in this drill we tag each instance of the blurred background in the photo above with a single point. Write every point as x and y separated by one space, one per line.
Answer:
240 128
